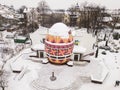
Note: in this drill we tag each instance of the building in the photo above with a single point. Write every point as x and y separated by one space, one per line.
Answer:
59 46
20 39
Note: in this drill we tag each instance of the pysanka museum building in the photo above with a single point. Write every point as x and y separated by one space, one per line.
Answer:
58 46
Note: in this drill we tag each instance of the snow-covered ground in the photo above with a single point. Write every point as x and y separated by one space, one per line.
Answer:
36 76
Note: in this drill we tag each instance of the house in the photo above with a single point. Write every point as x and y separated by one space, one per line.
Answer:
20 39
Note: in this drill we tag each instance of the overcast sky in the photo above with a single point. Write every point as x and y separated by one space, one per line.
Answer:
61 4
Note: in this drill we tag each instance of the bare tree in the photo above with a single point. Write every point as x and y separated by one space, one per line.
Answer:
83 19
43 10
91 16
73 13
3 79
21 9
3 73
116 17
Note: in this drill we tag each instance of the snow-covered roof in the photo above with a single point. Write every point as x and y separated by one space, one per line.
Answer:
117 25
16 67
20 37
38 35
1 11
36 47
8 16
107 19
59 29
78 49
8 12
19 16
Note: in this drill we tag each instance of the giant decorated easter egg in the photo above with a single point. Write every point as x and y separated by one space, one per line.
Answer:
59 44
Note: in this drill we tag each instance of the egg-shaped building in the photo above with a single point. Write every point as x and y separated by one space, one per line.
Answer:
59 44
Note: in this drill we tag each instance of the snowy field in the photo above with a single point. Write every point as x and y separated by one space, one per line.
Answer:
36 76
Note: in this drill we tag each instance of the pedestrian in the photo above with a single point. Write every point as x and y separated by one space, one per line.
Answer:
117 83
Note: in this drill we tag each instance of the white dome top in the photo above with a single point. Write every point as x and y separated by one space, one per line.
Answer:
59 29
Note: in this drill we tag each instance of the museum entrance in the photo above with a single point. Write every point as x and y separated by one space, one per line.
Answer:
41 54
76 57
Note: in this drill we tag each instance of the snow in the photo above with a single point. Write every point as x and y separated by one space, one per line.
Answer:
8 12
44 60
5 34
16 67
79 49
8 16
59 29
117 25
36 47
70 63
73 33
20 37
36 76
23 71
38 35
1 64
105 71
107 19
1 11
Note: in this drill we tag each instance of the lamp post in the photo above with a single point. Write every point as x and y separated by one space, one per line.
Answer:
53 77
